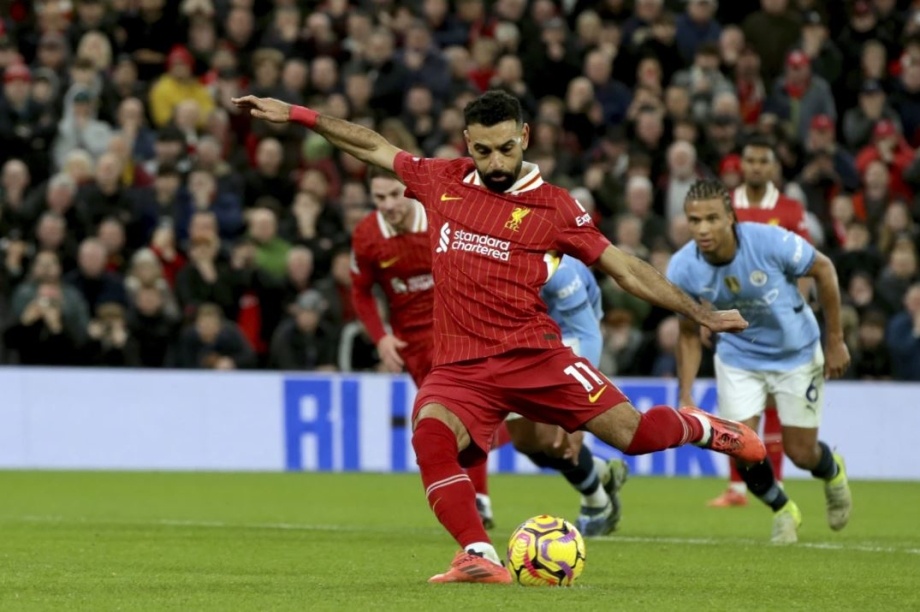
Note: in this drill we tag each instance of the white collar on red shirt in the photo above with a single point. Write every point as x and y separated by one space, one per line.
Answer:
770 197
530 179
420 224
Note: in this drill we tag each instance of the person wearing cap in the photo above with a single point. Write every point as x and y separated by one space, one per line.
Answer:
80 128
304 340
872 107
26 127
730 171
800 95
826 57
889 147
177 84
827 160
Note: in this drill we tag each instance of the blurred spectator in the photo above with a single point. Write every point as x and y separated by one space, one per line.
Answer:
214 343
906 98
268 178
859 121
799 96
872 359
176 85
772 32
110 342
202 195
697 26
96 284
336 289
857 254
147 35
269 251
105 196
828 166
153 327
622 342
80 129
305 341
15 215
898 275
205 279
49 318
823 53
146 272
903 337
26 127
639 201
889 148
681 174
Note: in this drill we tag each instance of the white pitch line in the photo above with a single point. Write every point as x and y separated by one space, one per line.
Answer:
713 542
832 546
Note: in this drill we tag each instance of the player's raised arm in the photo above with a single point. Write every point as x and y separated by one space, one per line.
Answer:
837 356
689 355
357 140
644 281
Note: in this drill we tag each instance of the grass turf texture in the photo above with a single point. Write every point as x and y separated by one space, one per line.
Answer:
142 541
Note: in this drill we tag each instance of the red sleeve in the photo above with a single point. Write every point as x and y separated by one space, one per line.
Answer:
578 236
418 174
362 283
868 155
797 220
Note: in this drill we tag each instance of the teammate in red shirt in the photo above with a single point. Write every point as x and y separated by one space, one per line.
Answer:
391 250
757 199
497 231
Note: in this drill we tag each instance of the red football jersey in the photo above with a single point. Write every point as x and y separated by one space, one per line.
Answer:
401 265
492 254
774 209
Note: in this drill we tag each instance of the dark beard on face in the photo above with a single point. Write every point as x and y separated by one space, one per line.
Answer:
498 182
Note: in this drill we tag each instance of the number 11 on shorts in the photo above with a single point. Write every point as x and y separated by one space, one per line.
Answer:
573 371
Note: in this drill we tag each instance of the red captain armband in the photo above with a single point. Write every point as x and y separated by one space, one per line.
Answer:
304 116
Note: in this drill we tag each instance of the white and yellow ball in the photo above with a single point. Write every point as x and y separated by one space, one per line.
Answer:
546 551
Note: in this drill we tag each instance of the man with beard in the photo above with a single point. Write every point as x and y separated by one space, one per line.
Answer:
497 232
391 250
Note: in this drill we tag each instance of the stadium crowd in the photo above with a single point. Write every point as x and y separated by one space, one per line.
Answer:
145 221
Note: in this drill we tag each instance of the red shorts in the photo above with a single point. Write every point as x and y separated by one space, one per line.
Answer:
544 385
417 357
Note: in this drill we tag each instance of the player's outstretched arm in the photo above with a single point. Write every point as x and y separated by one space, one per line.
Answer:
644 281
689 355
367 145
837 356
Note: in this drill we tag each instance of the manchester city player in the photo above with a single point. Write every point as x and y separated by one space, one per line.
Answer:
573 300
754 268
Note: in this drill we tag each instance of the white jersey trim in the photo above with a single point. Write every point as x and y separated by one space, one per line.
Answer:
420 224
530 180
770 198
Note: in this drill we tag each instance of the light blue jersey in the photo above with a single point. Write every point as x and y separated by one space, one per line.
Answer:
761 283
574 302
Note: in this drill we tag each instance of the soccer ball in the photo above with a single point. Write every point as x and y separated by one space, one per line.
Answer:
546 551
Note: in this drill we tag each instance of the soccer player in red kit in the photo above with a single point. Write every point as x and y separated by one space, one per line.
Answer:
497 229
391 250
758 200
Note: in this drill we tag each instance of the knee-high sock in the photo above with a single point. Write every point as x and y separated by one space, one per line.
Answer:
662 427
773 439
762 483
479 476
583 476
448 489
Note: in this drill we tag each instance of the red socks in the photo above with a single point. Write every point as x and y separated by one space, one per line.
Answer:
479 476
449 490
663 427
773 440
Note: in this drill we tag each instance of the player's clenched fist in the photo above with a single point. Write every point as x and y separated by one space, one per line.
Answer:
268 109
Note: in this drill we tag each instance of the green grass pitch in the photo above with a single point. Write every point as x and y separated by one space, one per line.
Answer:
167 541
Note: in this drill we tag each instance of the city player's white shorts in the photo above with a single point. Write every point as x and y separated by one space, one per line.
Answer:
799 393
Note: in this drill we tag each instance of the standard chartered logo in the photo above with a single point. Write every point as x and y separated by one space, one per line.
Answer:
470 242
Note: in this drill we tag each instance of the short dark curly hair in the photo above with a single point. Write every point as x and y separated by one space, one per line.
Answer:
493 107
708 189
